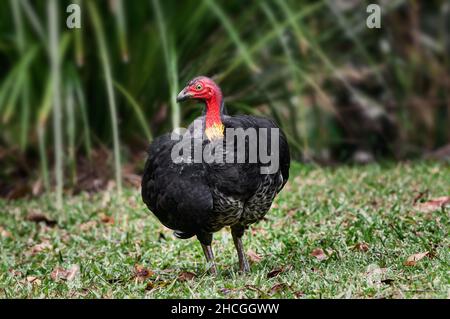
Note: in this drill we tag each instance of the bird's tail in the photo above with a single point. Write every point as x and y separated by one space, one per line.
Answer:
183 235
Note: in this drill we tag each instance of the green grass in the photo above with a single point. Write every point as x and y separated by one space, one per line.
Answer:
332 209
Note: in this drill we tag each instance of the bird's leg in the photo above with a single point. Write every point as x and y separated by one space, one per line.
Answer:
237 232
210 258
206 240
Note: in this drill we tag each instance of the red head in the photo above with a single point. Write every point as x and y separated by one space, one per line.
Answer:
204 89
201 88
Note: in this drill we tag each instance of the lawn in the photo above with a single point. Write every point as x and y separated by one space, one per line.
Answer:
342 232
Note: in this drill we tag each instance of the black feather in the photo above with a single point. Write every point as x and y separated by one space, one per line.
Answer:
199 198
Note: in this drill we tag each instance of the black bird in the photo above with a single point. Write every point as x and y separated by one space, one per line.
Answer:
197 197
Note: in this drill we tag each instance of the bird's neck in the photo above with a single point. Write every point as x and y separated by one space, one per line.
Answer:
214 127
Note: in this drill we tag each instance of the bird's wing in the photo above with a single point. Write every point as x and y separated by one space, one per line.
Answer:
245 178
177 193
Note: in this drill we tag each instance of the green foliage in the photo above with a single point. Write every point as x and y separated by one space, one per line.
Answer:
330 209
303 63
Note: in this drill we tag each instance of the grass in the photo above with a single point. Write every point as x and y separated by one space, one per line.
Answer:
329 208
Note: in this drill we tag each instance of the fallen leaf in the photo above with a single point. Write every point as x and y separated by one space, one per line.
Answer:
106 219
253 256
141 273
34 280
4 233
433 204
186 275
299 294
319 254
15 273
413 259
45 245
38 217
275 272
277 288
65 274
361 247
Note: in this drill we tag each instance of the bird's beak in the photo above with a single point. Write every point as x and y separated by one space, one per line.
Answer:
183 95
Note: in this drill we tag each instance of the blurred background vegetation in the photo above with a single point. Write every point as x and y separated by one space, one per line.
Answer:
79 106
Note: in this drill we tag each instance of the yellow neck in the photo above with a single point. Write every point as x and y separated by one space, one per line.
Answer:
215 131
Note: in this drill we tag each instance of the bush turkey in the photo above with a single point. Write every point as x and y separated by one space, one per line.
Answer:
199 197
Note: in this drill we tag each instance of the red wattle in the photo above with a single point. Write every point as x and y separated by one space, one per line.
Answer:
213 109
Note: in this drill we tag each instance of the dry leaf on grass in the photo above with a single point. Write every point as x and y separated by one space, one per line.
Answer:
275 272
299 294
253 256
186 275
15 273
141 273
4 233
277 288
69 274
45 245
33 280
319 254
413 259
363 247
433 204
106 219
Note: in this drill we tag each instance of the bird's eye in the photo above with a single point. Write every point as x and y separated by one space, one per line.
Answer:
198 87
